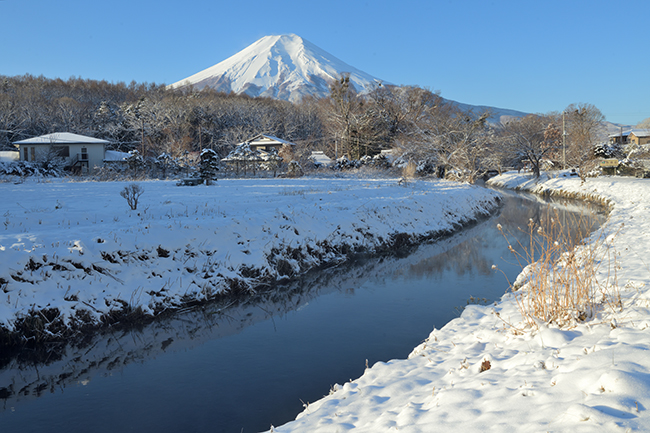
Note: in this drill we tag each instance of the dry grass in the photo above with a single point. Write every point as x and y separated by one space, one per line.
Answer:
563 281
408 172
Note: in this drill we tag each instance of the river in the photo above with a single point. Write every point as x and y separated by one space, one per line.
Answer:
244 366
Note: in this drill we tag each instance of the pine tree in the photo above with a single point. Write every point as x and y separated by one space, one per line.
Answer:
209 165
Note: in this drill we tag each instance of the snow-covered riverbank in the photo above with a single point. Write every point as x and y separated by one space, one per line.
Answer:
73 252
594 376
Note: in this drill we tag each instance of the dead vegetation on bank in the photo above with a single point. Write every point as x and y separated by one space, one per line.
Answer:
564 280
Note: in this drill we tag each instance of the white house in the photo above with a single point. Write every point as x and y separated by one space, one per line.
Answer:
267 142
79 152
257 151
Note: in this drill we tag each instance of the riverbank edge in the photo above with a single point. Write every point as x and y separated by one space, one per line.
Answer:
46 327
532 185
537 186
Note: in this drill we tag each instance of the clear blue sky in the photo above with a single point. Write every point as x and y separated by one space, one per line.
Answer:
532 56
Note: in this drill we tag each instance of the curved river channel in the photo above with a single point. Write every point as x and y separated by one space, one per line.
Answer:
246 366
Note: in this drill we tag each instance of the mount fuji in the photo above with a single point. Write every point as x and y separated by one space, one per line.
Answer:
282 67
289 67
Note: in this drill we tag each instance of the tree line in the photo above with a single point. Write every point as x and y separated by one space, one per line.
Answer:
423 129
145 117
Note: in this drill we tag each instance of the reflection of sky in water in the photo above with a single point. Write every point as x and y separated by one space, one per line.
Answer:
226 367
484 245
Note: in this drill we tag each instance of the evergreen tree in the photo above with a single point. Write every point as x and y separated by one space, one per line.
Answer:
272 161
167 163
209 165
134 161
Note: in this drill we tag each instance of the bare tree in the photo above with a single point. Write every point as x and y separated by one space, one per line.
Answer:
340 113
644 124
453 141
584 126
530 139
465 144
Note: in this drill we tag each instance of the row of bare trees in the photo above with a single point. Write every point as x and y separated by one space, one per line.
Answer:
566 139
419 125
441 138
145 117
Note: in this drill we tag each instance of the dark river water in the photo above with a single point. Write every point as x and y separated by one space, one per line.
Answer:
246 366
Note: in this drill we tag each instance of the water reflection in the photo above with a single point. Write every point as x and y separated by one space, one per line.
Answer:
243 366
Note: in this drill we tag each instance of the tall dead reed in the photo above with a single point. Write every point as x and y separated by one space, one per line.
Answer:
564 280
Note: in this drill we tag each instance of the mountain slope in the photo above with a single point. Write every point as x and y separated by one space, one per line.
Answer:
281 66
496 114
289 67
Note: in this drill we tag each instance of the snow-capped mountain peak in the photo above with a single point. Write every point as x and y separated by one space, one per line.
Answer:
279 66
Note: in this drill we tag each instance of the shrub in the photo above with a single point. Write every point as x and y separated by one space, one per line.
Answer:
294 169
132 194
48 168
343 163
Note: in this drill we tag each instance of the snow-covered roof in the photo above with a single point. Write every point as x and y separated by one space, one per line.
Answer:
264 139
320 158
62 138
114 155
638 132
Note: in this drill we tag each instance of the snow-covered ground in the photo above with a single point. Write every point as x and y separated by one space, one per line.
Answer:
593 376
76 251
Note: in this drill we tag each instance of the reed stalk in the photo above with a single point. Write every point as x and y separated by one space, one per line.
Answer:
564 280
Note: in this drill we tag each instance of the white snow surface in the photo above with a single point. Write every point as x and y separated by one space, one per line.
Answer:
279 66
75 246
593 377
9 156
62 138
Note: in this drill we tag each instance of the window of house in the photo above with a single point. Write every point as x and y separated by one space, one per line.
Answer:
84 154
62 151
26 153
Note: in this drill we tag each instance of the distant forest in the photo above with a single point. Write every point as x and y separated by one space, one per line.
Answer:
422 128
171 121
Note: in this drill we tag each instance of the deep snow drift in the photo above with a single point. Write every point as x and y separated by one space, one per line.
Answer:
592 376
74 252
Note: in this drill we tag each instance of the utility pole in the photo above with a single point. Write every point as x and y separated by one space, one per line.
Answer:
563 143
142 137
336 147
621 140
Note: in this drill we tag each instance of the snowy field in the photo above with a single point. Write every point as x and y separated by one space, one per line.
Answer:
593 376
72 252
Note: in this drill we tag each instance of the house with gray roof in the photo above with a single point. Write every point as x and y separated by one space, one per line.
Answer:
266 143
636 136
80 153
